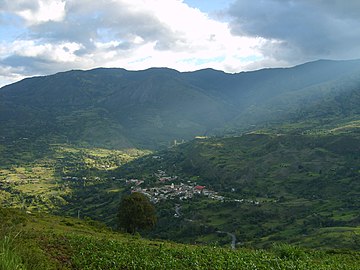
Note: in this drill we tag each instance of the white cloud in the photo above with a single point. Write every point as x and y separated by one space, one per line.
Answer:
63 52
9 75
35 12
132 34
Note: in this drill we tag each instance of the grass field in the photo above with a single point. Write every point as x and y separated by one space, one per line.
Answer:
41 241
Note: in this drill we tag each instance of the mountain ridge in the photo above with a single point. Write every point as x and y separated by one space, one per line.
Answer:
153 107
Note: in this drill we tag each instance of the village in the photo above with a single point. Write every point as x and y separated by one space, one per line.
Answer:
166 189
182 192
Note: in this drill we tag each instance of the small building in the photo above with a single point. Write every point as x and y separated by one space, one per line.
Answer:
200 188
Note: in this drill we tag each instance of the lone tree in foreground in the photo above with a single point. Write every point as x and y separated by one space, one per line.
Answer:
136 213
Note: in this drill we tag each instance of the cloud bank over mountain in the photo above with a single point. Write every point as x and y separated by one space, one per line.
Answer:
43 37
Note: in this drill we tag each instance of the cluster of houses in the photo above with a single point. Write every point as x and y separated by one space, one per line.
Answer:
164 190
172 191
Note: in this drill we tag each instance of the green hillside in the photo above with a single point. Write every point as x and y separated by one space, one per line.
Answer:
33 241
276 185
116 108
110 108
62 179
296 188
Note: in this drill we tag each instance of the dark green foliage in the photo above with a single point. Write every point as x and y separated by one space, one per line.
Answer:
136 213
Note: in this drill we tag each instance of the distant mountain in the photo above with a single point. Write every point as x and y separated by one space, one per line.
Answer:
109 107
116 108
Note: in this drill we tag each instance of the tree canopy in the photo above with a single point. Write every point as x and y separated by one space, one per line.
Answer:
136 213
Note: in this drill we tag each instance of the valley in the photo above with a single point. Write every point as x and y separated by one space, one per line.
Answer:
265 160
261 186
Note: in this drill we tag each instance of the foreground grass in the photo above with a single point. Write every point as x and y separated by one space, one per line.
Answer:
92 253
9 259
51 242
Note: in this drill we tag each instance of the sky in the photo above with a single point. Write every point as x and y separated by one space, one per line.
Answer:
41 37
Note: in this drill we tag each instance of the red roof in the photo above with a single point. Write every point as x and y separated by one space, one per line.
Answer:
199 187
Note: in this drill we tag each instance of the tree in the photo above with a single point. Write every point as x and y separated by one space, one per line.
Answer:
136 213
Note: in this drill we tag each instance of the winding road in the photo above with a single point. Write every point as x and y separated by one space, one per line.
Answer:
177 210
233 238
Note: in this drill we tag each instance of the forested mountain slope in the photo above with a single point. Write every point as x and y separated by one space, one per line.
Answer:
115 108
